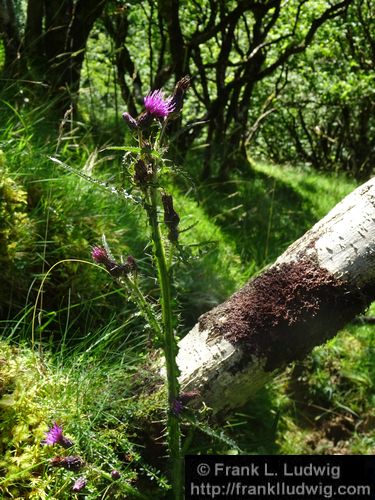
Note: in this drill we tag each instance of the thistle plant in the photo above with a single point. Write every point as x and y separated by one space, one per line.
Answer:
145 164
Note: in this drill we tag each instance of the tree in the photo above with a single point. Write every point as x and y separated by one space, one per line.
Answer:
49 47
228 48
325 114
316 286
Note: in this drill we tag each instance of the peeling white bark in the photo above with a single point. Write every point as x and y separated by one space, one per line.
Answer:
344 240
208 364
342 243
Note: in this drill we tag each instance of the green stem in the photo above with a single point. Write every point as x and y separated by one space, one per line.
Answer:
144 306
170 344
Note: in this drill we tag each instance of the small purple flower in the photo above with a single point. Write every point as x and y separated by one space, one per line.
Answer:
99 255
157 105
55 436
79 484
115 475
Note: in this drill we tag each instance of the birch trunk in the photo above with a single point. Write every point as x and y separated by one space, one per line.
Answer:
315 287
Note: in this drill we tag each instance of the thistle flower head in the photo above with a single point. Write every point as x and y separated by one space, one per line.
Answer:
55 436
79 484
157 105
99 255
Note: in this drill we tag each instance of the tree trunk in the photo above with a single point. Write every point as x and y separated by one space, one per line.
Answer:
68 28
9 33
320 283
52 48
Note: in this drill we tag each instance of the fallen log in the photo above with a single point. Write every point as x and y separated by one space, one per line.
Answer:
320 283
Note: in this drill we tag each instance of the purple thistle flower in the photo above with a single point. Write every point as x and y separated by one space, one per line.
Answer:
157 105
99 255
79 484
55 436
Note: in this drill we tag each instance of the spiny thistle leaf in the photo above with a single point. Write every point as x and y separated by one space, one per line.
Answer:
112 189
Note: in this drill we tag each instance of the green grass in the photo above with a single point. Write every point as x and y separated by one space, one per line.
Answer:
91 395
265 211
328 404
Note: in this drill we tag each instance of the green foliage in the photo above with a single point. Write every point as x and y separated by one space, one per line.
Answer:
89 383
14 223
324 114
328 402
17 235
93 401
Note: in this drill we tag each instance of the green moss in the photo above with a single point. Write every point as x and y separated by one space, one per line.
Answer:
93 403
16 227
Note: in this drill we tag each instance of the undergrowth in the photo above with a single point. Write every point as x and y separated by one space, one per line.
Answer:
91 395
96 350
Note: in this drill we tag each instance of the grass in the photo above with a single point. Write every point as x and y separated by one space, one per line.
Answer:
96 359
265 211
93 399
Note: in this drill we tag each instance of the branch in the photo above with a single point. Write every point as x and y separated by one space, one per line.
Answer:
319 284
333 11
169 11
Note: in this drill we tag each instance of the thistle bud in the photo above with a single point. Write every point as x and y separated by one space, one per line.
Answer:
171 217
115 475
144 120
100 255
179 92
130 121
79 484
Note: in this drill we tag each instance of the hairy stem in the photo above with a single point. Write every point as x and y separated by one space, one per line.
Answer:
144 306
170 344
